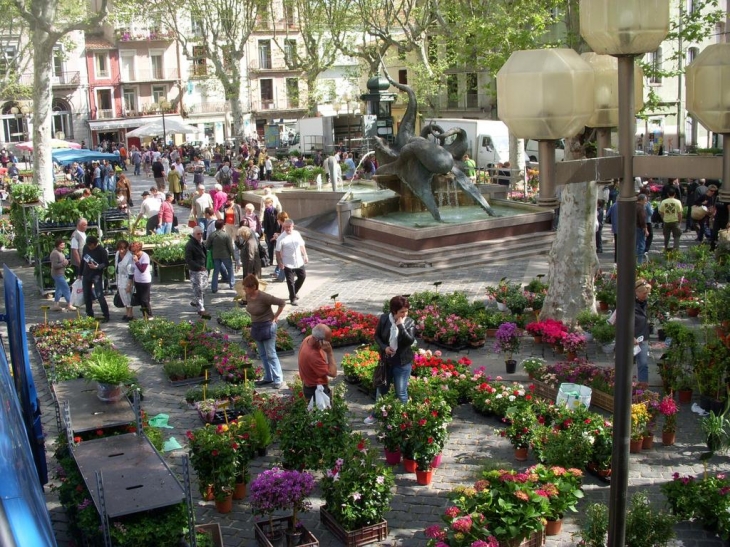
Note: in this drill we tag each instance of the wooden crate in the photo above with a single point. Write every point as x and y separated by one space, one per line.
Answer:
281 523
537 539
213 530
354 538
599 399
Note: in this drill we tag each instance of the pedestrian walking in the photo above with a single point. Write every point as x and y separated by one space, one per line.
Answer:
291 255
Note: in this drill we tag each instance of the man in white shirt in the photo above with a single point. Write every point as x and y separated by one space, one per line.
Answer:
201 201
78 240
150 207
292 256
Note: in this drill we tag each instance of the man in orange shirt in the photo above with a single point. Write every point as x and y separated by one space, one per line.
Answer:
123 156
317 361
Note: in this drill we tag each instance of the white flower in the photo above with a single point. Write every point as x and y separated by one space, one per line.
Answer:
512 398
380 479
356 496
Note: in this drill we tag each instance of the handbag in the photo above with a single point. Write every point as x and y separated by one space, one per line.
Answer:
135 299
118 300
724 235
264 255
261 330
380 374
698 212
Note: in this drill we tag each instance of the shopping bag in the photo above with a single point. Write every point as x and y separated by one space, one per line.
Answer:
77 293
698 212
574 395
380 374
321 400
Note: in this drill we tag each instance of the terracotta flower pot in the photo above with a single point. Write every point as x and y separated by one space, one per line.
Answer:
553 527
603 306
392 458
520 454
572 356
684 396
225 505
239 491
208 496
647 442
409 465
537 339
693 312
635 446
424 477
668 437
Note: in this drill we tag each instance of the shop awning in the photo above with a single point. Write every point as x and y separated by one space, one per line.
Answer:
106 125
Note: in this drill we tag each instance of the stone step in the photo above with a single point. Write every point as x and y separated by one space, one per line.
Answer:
386 257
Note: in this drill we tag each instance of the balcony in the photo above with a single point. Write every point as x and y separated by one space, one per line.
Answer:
70 79
465 101
267 66
104 114
263 105
151 75
153 34
207 108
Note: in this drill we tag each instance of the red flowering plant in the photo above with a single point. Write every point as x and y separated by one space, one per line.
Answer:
551 330
668 408
511 502
573 342
521 422
578 371
452 378
561 486
426 429
461 530
457 331
498 397
214 456
348 326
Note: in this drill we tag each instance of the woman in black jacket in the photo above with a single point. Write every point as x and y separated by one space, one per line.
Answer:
394 335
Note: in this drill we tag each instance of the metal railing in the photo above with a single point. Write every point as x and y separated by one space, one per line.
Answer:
72 77
151 75
464 101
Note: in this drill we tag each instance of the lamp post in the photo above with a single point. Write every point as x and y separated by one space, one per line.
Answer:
22 114
164 105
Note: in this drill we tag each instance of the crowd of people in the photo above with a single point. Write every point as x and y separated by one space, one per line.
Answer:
694 205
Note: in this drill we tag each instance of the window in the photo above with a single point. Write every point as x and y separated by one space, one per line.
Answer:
692 54
267 93
472 90
126 63
8 60
61 124
403 76
196 26
14 128
129 96
289 12
292 92
104 104
264 54
57 75
157 65
200 62
101 64
290 52
159 93
655 64
264 15
452 90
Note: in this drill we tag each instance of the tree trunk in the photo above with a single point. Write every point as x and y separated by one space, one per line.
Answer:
573 259
517 161
312 98
42 158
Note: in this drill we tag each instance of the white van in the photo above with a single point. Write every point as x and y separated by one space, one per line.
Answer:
532 150
488 139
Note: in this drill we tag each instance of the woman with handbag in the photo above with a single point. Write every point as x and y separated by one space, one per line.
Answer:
142 275
395 335
263 329
123 262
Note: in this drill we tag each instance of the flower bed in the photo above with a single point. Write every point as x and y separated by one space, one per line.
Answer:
284 343
348 327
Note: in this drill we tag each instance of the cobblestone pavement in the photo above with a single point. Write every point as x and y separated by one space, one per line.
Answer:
472 440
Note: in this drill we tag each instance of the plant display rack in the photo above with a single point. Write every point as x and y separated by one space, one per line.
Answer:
41 259
280 524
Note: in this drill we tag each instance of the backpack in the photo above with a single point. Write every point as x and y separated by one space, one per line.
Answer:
225 178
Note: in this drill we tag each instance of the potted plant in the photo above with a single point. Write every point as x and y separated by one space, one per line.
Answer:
508 340
427 433
606 293
281 490
594 526
701 498
357 492
587 319
711 370
521 422
533 365
716 428
647 527
207 409
262 432
605 335
639 422
214 454
601 431
668 408
573 342
110 369
388 412
564 490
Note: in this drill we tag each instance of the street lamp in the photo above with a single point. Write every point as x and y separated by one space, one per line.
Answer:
22 114
164 105
623 29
